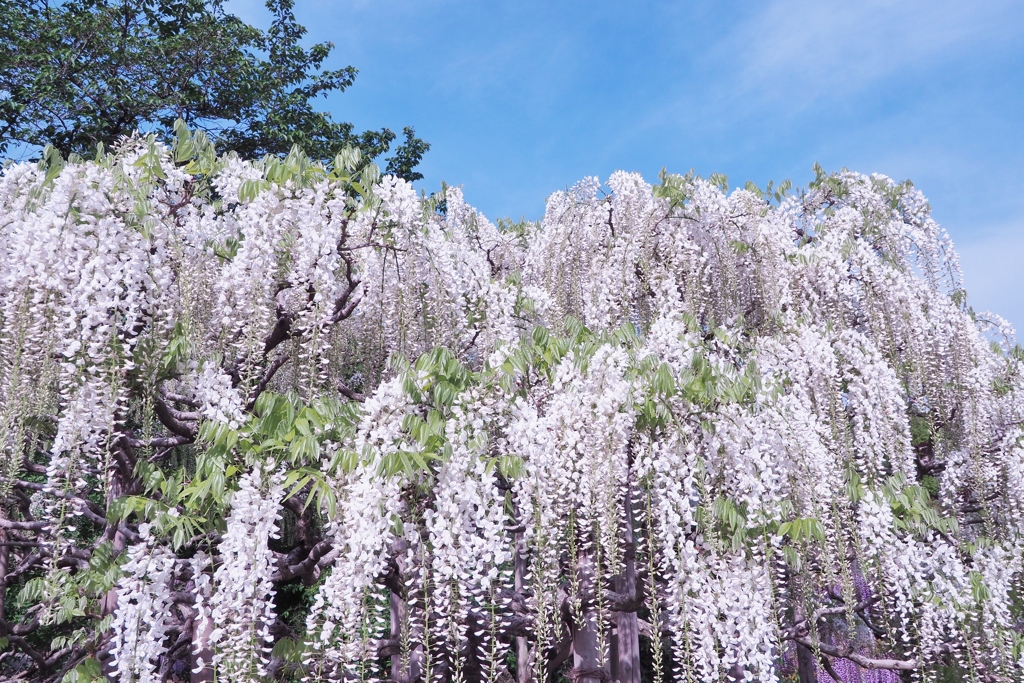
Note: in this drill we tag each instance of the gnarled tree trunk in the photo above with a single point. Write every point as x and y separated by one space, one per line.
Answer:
586 637
406 667
807 668
625 641
524 662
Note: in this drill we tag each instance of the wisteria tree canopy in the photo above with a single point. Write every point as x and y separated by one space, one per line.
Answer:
271 421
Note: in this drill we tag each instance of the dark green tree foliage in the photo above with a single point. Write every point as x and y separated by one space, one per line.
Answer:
83 72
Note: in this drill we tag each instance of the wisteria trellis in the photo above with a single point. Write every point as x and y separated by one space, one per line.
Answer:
266 420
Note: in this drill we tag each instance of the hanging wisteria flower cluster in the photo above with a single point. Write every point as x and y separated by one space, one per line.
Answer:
266 420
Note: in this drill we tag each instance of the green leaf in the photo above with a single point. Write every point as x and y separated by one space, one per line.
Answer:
664 383
288 650
248 190
53 162
792 557
86 671
978 588
803 529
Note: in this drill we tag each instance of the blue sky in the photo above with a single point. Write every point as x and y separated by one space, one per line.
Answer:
519 99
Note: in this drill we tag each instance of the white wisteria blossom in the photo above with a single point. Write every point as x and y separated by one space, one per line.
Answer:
142 620
241 605
270 420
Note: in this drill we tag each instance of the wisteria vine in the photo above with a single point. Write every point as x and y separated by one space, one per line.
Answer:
269 420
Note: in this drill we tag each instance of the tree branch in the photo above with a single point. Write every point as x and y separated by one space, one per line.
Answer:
22 526
856 658
167 418
316 553
350 394
268 375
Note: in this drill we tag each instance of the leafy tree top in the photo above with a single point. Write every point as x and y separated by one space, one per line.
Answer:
78 73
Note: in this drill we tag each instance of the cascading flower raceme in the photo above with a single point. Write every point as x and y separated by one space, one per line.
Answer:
241 606
276 420
141 622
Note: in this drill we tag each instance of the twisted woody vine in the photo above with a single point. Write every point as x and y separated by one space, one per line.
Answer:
270 420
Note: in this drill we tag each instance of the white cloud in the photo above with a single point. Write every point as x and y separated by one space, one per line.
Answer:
789 56
810 48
